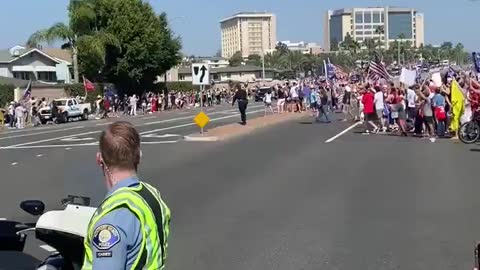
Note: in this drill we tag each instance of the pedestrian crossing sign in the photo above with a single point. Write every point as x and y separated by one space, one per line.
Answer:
201 119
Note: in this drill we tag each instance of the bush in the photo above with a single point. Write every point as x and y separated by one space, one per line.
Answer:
6 94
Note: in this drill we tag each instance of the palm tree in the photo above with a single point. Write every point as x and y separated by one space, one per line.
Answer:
79 33
295 60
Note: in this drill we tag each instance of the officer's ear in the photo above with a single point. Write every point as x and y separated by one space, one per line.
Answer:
141 154
100 160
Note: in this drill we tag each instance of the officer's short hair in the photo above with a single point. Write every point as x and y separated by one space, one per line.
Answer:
120 146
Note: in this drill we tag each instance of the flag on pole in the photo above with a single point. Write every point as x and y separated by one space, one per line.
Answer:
458 102
476 61
376 70
28 92
88 85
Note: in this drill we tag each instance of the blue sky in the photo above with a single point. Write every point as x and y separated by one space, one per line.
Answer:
196 21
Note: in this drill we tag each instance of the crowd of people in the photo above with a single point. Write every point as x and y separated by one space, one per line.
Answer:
26 112
424 109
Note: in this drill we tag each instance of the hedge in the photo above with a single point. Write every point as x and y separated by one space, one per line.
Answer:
6 94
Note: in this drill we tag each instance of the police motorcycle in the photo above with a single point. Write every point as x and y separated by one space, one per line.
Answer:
64 230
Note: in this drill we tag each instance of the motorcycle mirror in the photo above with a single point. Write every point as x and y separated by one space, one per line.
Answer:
33 207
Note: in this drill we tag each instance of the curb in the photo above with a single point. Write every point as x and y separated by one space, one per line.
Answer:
199 138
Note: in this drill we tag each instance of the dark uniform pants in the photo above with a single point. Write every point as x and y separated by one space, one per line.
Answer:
242 107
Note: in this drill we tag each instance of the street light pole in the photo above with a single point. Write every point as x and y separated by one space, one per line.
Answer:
263 65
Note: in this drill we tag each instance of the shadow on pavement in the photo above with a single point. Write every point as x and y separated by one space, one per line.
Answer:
17 260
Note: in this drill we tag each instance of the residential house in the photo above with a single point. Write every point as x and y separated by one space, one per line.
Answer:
49 65
243 73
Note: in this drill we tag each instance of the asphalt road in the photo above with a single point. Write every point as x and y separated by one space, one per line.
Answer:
283 198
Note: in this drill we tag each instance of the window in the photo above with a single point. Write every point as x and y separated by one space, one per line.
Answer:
376 17
23 75
358 33
358 17
181 77
47 76
358 26
368 18
70 103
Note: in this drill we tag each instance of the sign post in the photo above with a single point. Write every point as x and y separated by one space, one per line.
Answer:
201 77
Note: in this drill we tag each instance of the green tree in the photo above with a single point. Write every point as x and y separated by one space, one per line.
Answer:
334 45
254 59
236 59
275 60
76 34
282 48
147 49
295 60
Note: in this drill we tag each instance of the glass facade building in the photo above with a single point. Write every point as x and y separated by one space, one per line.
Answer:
384 24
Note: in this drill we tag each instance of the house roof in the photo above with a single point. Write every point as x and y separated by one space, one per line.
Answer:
7 57
65 55
243 68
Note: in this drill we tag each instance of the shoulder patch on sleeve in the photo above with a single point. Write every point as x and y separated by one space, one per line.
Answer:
105 236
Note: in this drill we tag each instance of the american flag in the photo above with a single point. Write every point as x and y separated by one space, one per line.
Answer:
377 70
339 73
28 92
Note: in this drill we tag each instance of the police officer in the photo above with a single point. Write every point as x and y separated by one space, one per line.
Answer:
241 96
129 230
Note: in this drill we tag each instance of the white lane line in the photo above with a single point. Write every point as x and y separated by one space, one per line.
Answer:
161 136
187 117
103 124
150 117
143 133
3 218
14 163
69 146
48 248
51 139
29 129
183 112
343 132
39 133
39 155
160 142
193 124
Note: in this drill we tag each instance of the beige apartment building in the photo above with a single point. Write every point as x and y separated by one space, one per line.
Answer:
380 23
249 33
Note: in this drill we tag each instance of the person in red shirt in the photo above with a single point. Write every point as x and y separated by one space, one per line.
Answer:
369 109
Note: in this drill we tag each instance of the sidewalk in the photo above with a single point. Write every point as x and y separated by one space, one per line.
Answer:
234 130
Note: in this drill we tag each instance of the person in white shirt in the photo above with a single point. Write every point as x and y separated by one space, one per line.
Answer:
133 105
267 99
20 115
380 106
294 96
411 103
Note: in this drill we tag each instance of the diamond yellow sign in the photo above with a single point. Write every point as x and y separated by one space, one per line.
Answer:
201 119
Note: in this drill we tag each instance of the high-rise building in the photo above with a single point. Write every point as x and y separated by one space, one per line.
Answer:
249 33
386 24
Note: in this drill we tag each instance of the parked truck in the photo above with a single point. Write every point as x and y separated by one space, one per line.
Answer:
68 109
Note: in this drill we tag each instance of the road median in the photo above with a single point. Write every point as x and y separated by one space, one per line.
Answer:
231 131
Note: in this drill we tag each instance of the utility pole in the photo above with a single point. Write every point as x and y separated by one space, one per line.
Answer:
398 56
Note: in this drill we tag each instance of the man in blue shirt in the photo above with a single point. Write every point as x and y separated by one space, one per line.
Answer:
130 228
